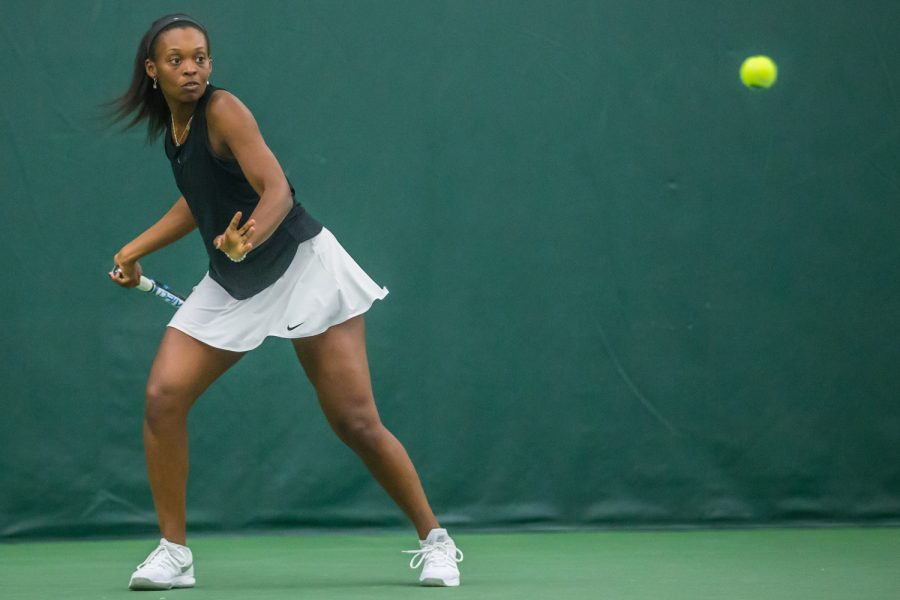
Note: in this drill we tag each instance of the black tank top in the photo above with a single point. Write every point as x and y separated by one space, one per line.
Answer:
215 188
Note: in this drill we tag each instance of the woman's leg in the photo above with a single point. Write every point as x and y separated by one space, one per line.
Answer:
337 366
182 370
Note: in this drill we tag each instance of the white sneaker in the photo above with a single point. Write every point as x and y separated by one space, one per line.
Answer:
169 566
439 555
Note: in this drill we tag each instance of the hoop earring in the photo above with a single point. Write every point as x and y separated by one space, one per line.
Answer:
154 83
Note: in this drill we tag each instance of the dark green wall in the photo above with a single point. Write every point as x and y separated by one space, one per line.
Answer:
625 291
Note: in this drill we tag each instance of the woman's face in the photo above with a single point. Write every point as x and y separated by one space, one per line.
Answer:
181 63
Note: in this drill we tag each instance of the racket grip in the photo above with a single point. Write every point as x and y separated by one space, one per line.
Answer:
161 290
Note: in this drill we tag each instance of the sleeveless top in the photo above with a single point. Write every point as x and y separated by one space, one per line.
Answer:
215 188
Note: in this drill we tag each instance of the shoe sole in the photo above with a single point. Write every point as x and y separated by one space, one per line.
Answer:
435 582
142 583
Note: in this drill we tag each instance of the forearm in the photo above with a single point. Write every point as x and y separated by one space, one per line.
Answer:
274 205
174 225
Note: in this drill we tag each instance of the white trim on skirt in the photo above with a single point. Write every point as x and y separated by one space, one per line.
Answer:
322 287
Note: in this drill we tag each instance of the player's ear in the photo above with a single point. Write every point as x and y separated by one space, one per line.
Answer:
150 68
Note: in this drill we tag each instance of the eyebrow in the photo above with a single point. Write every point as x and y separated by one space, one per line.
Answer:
176 49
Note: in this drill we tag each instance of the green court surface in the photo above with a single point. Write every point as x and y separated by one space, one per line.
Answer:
793 564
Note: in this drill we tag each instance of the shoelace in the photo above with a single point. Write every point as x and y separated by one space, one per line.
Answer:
439 552
164 556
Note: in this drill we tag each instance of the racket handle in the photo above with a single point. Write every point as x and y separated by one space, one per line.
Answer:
158 289
146 284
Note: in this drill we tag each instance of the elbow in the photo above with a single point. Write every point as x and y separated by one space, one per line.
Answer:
284 196
277 199
283 206
288 196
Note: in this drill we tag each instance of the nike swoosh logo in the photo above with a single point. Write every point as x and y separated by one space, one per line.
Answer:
295 326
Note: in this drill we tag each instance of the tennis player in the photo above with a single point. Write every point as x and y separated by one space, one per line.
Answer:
273 271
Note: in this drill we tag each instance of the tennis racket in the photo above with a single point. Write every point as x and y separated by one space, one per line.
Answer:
158 289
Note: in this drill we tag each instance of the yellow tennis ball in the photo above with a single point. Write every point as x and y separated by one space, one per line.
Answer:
759 72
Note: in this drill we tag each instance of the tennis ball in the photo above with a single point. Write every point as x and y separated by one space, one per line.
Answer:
759 72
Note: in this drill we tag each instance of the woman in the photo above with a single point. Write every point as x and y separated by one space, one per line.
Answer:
273 270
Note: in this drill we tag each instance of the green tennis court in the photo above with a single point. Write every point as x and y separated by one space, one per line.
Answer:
788 564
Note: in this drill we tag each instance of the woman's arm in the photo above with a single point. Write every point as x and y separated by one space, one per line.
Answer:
234 134
173 226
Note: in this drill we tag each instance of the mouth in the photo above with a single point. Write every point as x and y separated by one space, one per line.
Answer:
191 85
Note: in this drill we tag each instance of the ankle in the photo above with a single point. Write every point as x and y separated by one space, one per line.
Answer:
426 529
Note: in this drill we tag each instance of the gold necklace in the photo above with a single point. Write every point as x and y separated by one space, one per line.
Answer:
183 133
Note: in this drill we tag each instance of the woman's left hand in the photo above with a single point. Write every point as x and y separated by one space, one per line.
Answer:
235 242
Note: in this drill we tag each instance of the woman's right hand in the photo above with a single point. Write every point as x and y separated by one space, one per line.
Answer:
126 274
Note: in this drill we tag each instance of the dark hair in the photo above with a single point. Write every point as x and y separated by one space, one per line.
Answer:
141 98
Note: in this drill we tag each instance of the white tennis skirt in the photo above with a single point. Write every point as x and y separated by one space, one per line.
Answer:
322 287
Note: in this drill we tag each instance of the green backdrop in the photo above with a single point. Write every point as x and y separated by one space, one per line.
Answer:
625 290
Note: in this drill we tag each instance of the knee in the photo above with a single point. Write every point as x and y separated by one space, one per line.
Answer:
362 433
164 403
